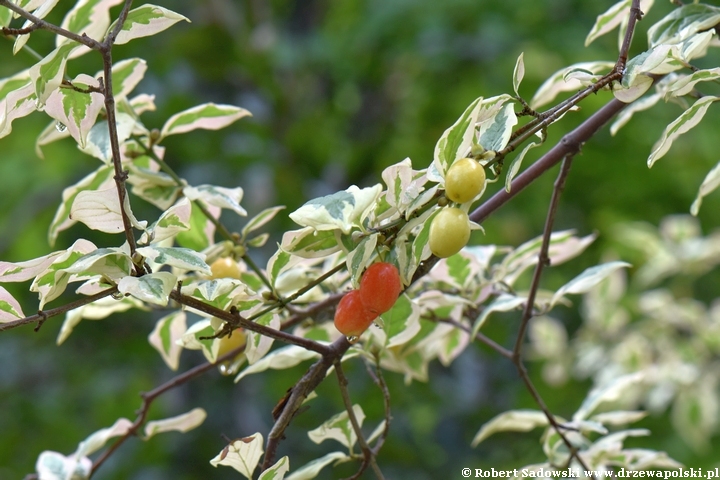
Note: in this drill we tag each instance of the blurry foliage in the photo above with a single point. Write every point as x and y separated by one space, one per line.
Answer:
338 91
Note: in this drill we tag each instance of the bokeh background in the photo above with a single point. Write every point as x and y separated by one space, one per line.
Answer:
339 90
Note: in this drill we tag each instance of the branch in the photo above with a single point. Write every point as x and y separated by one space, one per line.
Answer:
368 453
43 315
379 380
82 39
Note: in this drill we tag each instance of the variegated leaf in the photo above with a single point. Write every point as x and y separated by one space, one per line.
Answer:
144 21
208 116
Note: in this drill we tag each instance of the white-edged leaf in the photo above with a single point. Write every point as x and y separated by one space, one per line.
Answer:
689 118
401 322
640 85
686 84
682 23
277 471
191 339
10 308
87 17
207 116
98 139
180 423
312 469
341 210
97 440
174 220
359 258
242 454
339 428
493 131
608 392
229 198
511 421
165 335
100 210
17 99
280 359
257 345
711 182
100 179
557 84
144 21
455 141
45 8
612 17
620 417
152 288
55 466
126 74
47 74
516 164
518 73
504 303
309 243
76 110
178 257
260 220
587 280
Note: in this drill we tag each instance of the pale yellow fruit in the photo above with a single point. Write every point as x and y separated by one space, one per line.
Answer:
225 267
227 344
464 180
449 232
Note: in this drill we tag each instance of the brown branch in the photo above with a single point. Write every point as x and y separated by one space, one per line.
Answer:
375 373
19 31
43 315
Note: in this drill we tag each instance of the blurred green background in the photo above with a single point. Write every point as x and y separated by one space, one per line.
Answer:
339 90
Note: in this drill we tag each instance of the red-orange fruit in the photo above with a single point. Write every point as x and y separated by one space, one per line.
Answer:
380 287
352 318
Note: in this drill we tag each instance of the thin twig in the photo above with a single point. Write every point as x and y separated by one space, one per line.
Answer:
543 258
375 373
43 315
368 453
149 397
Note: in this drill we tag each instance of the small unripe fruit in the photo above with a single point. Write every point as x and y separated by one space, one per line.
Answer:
225 267
380 287
464 180
227 344
352 318
449 232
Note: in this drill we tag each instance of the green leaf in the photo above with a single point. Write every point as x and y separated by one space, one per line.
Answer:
201 233
360 257
511 421
689 119
99 179
312 469
260 220
278 263
402 322
504 303
310 243
157 188
518 73
339 428
494 132
456 141
89 17
684 85
5 17
180 423
173 221
165 335
145 21
178 257
10 309
280 359
683 23
277 471
153 288
242 455
208 116
711 182
342 210
47 74
76 110
556 83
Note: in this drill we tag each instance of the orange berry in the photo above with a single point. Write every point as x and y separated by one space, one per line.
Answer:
380 287
352 318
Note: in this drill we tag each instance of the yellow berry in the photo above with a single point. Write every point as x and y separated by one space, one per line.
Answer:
227 344
464 180
225 267
449 232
